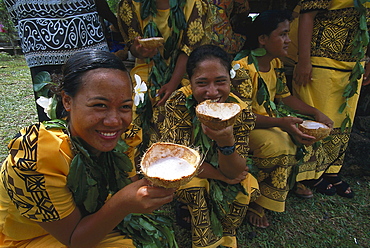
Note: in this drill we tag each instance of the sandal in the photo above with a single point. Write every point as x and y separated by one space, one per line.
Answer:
340 185
183 217
321 186
302 191
251 211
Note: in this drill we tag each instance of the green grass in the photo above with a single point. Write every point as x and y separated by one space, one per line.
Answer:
319 222
17 105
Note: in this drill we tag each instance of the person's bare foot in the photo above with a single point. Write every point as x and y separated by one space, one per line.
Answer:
256 215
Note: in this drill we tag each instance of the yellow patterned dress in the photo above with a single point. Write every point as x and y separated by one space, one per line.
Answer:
274 152
179 128
33 188
332 62
132 25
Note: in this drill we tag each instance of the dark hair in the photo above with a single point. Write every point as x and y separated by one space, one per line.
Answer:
205 52
83 61
76 67
264 24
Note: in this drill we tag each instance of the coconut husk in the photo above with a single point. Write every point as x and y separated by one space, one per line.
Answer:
314 128
163 177
217 115
151 43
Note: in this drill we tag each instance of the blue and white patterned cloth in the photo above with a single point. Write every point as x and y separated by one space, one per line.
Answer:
50 31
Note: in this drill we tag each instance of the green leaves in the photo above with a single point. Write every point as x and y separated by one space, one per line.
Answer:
55 123
259 52
242 54
42 79
149 230
346 122
360 43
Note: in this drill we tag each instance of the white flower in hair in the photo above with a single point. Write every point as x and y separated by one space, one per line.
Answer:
233 70
139 90
46 104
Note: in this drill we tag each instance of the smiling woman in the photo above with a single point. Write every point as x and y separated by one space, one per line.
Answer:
70 182
218 197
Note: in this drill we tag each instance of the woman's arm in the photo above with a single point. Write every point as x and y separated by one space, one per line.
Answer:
175 80
137 197
231 166
305 109
208 171
302 71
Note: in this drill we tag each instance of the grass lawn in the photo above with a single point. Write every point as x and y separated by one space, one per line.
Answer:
322 221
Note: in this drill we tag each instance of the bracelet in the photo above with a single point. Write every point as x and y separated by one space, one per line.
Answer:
226 150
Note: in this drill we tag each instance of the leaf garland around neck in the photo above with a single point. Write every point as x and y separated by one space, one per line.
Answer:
221 193
263 94
92 180
360 42
161 72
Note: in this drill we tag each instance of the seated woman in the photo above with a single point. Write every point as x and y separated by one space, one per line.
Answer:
56 181
218 197
274 141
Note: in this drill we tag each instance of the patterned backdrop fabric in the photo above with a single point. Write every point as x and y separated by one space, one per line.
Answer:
51 30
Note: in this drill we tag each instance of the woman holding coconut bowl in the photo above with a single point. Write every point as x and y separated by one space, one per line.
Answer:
283 154
218 196
70 183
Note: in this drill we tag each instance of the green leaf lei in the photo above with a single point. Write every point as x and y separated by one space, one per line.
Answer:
221 193
91 179
263 94
160 73
361 41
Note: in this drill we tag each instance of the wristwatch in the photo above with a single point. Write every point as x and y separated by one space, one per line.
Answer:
227 150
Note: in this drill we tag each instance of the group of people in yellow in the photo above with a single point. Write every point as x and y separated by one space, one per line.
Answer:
72 182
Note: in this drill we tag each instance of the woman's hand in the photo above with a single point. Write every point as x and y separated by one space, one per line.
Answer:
140 52
223 137
237 179
289 124
142 197
321 117
302 73
165 92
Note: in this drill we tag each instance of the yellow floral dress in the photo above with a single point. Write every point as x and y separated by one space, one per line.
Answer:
33 187
274 152
179 128
132 25
334 30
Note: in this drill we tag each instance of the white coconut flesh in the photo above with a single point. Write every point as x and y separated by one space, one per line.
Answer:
170 168
160 39
219 110
313 125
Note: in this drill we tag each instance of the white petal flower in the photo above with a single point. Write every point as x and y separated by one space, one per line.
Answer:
233 70
139 90
46 104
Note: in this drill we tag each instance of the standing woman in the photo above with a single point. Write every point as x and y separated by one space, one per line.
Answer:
56 181
328 72
275 139
180 23
51 31
219 196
